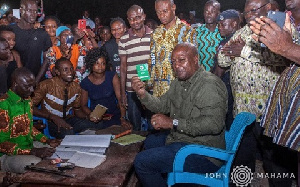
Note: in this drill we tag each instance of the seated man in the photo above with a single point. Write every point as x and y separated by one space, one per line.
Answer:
57 97
197 104
16 126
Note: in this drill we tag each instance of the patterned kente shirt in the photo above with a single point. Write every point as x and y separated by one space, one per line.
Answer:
281 120
208 43
16 126
162 44
253 74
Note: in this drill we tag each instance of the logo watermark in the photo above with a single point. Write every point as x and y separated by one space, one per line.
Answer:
242 176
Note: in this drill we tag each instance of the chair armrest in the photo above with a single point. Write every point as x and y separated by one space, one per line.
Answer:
200 150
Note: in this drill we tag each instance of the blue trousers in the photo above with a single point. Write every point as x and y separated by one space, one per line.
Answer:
134 110
157 159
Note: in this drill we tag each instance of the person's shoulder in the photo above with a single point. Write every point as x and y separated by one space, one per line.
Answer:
75 85
85 81
3 97
110 73
124 37
4 101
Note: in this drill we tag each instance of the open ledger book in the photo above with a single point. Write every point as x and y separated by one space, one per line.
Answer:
83 150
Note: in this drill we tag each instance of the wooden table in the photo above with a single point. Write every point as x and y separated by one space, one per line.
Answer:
117 170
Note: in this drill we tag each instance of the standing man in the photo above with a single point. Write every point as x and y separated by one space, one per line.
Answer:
228 24
31 43
208 36
254 71
89 22
196 120
17 132
134 49
171 32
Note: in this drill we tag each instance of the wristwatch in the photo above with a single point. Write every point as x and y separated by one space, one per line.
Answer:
175 124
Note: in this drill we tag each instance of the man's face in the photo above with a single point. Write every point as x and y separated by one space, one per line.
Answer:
292 4
50 27
29 12
86 14
136 19
25 86
117 29
226 27
254 9
10 38
66 71
105 35
4 51
165 12
210 13
183 63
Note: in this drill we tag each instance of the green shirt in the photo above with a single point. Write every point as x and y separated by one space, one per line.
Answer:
16 126
200 106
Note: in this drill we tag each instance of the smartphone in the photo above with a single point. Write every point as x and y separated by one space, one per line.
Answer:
82 24
69 40
278 17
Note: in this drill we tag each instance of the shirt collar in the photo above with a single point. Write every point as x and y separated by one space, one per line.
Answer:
191 80
14 97
147 31
178 21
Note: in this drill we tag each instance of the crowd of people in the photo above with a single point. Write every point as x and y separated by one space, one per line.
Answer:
201 76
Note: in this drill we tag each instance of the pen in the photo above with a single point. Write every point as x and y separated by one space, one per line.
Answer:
57 155
121 134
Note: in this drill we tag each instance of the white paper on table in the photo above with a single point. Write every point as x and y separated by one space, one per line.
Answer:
63 154
87 160
86 140
99 150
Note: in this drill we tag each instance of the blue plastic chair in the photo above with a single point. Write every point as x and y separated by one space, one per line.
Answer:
46 129
232 138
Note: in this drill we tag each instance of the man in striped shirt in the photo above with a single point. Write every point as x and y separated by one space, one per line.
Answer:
134 49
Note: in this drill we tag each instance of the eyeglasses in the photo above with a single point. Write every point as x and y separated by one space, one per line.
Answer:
254 10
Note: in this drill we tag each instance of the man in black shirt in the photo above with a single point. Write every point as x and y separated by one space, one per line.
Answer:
31 43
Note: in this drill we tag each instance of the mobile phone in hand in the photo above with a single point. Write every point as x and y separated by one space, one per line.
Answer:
278 17
82 24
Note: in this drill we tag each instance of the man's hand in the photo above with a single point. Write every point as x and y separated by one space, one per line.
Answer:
42 152
161 121
234 49
268 32
90 33
125 123
53 142
60 122
138 86
79 34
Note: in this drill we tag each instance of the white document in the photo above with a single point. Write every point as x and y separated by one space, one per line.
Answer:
63 154
87 160
86 140
99 150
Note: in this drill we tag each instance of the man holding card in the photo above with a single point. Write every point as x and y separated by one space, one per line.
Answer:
197 104
134 49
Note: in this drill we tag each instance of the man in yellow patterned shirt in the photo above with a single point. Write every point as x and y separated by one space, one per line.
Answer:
171 32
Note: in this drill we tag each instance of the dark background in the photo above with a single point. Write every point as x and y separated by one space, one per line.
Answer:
69 11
